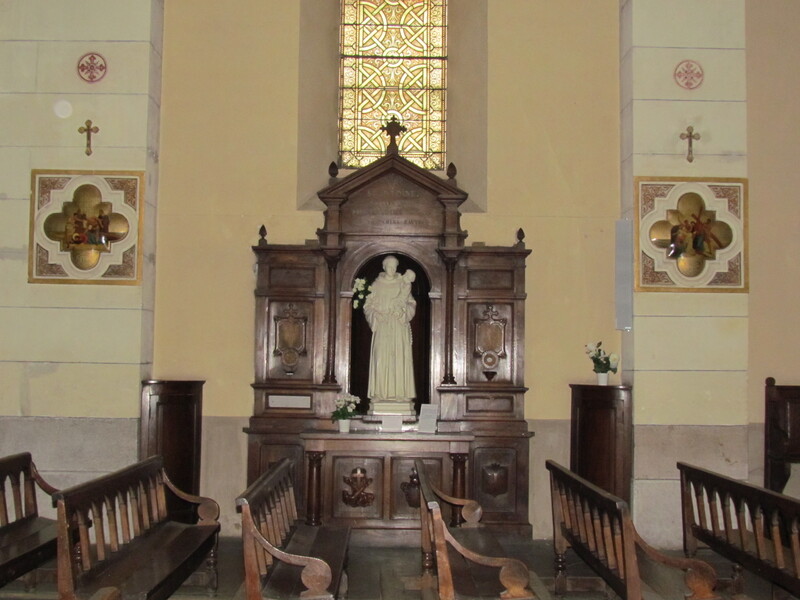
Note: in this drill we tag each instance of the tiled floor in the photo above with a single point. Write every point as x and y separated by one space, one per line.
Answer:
380 573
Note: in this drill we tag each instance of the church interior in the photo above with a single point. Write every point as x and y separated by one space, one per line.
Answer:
586 139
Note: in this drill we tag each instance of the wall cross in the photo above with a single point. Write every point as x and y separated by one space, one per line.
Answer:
88 130
691 136
393 128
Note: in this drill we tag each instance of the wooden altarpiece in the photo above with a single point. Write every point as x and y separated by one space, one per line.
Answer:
468 337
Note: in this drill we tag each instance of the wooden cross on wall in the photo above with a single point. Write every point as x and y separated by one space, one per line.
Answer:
394 129
88 130
691 136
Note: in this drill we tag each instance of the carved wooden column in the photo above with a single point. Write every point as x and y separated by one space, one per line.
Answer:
314 488
450 258
459 484
332 256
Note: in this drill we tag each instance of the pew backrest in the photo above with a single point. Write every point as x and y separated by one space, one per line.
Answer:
27 540
597 525
751 526
99 520
508 574
18 481
275 542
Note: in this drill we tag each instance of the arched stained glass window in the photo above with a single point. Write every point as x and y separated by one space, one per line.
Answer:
393 63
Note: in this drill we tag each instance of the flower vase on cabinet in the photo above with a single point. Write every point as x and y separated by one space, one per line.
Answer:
602 378
344 425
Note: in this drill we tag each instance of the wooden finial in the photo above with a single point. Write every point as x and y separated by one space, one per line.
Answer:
451 171
333 169
394 129
263 233
520 237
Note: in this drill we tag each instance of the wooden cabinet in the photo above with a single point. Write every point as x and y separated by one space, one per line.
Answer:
601 436
171 425
781 433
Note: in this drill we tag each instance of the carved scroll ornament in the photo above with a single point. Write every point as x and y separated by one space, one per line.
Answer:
490 339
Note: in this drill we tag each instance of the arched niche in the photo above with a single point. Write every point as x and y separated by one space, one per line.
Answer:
361 335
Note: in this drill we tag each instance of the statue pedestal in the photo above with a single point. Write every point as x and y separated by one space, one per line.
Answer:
391 416
405 409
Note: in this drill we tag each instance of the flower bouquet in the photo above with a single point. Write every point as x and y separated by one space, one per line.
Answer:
345 407
361 290
603 362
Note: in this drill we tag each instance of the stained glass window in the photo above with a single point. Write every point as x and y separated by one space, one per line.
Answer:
393 63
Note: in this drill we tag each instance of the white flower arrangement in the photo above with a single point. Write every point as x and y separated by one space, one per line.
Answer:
345 407
603 363
361 290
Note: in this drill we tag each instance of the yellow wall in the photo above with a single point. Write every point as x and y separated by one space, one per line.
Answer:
228 164
773 86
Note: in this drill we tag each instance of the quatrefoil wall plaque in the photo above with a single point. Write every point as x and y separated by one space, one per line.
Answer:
85 227
691 235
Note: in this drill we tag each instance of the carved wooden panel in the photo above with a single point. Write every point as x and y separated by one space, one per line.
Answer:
489 327
404 500
495 478
489 404
490 279
290 337
393 203
292 278
357 490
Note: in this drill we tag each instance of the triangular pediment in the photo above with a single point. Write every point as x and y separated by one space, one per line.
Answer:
391 163
392 196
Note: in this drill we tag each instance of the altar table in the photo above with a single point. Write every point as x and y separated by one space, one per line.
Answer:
365 479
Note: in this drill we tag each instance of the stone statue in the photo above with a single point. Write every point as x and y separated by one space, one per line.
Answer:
389 309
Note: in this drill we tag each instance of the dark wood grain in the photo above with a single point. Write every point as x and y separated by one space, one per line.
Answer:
752 526
597 526
171 426
26 539
116 531
283 557
469 561
601 436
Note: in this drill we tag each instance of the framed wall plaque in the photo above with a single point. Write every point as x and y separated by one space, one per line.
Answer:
86 227
691 235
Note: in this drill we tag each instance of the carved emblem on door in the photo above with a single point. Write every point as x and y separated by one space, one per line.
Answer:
411 489
290 338
358 496
494 479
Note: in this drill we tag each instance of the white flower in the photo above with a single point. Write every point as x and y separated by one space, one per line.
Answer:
613 360
355 303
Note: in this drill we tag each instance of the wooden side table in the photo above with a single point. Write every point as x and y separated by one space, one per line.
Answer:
601 436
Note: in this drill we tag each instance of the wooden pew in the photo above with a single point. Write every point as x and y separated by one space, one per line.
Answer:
26 539
597 525
283 557
468 560
117 540
755 528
